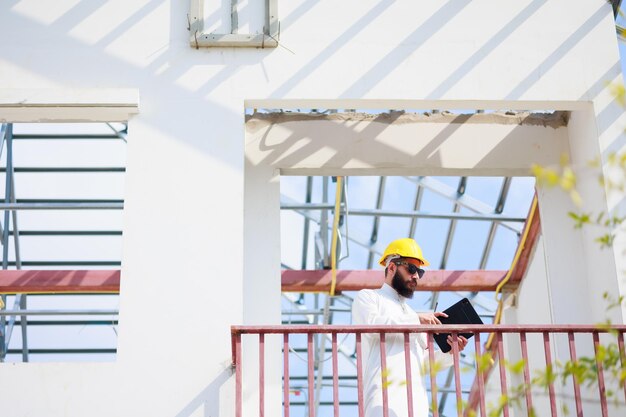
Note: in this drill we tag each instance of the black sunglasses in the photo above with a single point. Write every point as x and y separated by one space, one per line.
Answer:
412 269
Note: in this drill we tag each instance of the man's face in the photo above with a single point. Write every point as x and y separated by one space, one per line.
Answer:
404 282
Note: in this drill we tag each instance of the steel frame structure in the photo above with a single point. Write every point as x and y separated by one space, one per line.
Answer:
9 228
319 214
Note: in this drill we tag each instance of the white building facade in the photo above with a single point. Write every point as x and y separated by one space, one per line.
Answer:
136 61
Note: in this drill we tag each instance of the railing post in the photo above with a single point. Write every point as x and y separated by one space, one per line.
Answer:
547 351
261 374
601 386
527 385
383 374
238 386
407 371
480 376
359 375
433 376
310 374
622 354
503 386
335 377
572 356
457 374
286 374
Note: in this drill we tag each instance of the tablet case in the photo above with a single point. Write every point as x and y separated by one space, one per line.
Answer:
460 313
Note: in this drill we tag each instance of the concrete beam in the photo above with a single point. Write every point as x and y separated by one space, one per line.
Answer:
493 144
68 105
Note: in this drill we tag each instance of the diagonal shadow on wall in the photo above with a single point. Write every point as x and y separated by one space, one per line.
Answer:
208 398
431 26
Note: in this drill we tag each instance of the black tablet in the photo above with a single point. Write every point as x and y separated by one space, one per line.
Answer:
460 313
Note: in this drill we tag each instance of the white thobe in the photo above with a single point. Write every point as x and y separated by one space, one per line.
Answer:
386 306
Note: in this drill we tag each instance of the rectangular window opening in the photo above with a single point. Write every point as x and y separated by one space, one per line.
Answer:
61 267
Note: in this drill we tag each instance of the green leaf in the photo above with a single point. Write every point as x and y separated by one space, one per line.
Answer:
517 367
484 361
580 219
605 240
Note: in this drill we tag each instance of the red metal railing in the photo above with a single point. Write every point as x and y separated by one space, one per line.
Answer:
481 374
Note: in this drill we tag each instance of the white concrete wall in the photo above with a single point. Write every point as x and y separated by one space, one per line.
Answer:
183 279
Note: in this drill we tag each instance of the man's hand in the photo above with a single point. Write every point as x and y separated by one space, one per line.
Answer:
431 318
462 342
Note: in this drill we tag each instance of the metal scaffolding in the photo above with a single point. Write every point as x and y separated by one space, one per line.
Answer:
309 307
16 311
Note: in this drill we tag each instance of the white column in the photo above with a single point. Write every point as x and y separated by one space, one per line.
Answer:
261 284
594 134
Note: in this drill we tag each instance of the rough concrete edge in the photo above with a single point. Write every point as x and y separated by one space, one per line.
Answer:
554 119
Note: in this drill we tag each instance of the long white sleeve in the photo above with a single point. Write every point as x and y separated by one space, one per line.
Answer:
365 310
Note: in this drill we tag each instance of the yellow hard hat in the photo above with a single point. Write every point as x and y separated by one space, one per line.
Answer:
405 248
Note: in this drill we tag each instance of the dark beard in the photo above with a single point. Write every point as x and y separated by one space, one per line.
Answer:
401 287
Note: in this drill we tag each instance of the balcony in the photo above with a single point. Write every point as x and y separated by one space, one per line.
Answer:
546 370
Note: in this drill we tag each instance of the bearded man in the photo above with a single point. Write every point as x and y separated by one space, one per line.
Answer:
403 261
